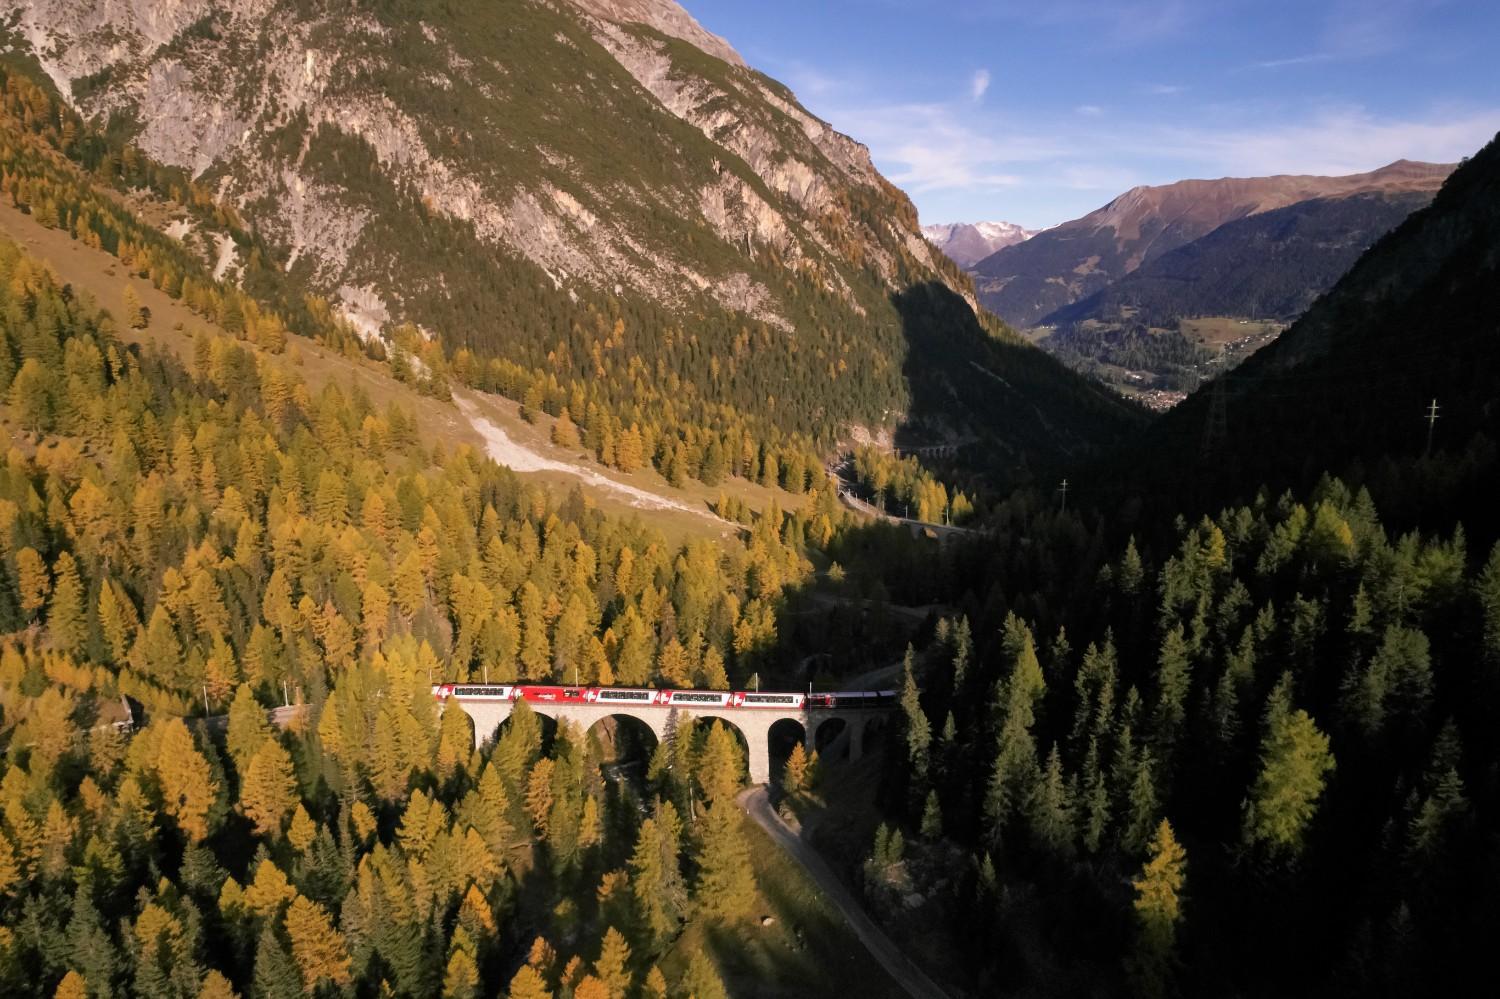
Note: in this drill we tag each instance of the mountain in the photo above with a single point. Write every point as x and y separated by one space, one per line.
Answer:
1028 281
1267 266
595 205
1348 388
967 243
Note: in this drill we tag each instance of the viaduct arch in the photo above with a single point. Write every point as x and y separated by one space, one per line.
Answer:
753 724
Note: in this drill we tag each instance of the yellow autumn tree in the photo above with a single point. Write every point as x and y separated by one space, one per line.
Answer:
268 790
32 580
72 986
187 786
1158 909
528 984
318 948
613 966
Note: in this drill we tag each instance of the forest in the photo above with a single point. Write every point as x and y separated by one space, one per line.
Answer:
1221 724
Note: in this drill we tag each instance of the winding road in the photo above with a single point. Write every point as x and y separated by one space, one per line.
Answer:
757 804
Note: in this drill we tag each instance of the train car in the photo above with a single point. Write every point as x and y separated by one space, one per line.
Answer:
619 695
442 691
554 695
481 691
851 699
766 699
696 698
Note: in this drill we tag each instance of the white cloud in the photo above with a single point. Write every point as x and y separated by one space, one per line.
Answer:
934 147
979 84
1163 89
1335 141
1089 110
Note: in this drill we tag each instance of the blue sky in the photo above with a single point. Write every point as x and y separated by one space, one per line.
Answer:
1038 111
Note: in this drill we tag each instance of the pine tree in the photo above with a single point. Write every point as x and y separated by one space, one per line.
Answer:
725 887
135 313
794 775
31 397
528 984
268 789
247 729
565 431
1294 765
701 980
118 621
1049 811
276 974
1488 590
66 622
613 966
918 731
461 978
318 948
1158 909
72 986
1172 683
720 768
932 817
188 789
33 581
656 881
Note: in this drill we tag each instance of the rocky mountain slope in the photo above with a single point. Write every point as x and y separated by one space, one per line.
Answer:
592 205
1272 265
967 243
1025 283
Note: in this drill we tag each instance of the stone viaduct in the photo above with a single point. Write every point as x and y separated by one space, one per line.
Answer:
753 724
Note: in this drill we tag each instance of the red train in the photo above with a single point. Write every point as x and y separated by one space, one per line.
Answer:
687 699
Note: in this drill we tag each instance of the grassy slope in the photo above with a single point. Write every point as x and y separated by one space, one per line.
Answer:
173 326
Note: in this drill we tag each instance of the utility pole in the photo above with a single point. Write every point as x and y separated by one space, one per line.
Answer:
1431 417
1063 489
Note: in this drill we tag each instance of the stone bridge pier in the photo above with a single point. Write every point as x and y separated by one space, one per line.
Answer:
753 725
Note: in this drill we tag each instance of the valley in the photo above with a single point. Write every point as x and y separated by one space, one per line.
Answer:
505 499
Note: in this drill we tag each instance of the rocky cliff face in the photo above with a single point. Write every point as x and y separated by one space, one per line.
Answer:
614 144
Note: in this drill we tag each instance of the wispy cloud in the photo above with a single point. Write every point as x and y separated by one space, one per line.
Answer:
1357 29
978 84
1333 141
937 147
1163 89
1089 110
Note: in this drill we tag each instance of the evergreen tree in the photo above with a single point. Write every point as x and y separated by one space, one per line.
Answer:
268 789
276 974
725 887
701 980
1049 811
1294 765
66 621
917 730
187 786
613 966
1158 909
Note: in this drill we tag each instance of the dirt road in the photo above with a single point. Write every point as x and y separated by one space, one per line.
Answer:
757 804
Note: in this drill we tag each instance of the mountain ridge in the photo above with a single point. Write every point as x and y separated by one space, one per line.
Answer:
1030 280
967 243
1269 265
